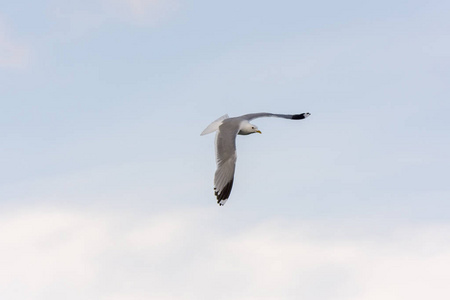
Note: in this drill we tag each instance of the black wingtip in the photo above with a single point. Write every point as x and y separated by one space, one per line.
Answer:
222 197
301 116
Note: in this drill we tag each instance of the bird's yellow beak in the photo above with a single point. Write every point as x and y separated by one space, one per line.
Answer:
258 131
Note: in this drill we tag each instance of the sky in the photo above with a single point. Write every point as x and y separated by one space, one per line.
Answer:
106 186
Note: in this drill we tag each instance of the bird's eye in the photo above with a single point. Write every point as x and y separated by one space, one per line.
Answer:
253 127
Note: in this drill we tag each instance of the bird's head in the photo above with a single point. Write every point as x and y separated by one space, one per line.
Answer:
247 128
255 129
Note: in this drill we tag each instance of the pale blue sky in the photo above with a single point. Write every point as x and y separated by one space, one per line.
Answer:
102 104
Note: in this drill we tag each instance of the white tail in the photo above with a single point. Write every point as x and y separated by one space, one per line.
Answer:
214 125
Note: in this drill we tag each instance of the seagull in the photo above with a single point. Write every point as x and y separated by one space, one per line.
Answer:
227 129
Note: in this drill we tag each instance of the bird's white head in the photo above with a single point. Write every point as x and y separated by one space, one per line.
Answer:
247 128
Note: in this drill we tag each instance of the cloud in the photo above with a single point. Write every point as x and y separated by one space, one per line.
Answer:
144 11
13 54
83 16
47 254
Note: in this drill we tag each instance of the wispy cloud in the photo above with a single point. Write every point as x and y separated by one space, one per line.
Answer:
13 54
192 255
83 16
143 11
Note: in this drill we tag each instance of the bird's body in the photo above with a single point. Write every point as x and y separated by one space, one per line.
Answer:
227 129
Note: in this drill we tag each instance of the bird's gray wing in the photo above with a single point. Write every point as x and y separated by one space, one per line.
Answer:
225 159
290 117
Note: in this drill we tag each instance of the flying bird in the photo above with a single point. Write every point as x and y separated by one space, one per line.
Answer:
227 129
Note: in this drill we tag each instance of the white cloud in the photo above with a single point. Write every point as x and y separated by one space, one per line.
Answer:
54 254
145 11
83 16
13 54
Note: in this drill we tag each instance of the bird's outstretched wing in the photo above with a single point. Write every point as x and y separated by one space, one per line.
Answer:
226 161
261 115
